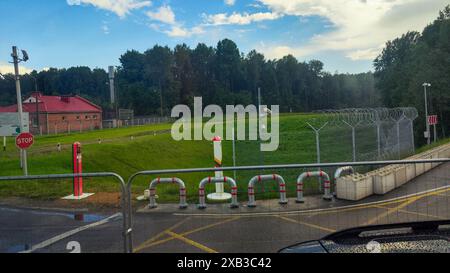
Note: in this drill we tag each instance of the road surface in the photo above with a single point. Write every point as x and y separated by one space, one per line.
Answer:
267 228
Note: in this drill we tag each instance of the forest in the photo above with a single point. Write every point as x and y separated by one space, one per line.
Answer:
411 60
222 75
152 82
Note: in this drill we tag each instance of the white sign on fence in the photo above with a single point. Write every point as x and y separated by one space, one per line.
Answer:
10 125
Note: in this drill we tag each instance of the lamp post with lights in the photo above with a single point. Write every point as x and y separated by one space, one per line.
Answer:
427 134
16 61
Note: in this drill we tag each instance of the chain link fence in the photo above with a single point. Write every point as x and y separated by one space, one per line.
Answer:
346 135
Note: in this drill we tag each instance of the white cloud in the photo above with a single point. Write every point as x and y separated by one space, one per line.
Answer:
365 54
105 28
164 14
6 68
359 27
229 2
181 32
238 18
168 24
255 5
120 7
279 51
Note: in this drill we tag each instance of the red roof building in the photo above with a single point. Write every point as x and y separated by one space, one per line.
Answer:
59 114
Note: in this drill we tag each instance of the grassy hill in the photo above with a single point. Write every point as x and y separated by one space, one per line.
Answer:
128 150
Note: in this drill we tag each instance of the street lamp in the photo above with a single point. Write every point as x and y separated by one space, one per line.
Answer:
427 134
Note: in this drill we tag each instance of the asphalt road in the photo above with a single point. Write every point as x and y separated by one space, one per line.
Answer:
267 228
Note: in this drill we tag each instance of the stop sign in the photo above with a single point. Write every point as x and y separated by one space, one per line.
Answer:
24 140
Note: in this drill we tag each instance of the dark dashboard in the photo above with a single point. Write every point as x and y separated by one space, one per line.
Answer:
417 237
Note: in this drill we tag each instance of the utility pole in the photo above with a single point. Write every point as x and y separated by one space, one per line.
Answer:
16 61
38 123
425 85
161 97
260 112
111 72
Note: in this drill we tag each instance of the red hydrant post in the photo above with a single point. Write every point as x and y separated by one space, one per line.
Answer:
77 169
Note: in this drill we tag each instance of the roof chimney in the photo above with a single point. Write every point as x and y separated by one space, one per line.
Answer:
65 98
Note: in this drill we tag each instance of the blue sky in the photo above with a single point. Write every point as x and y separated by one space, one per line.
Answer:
345 34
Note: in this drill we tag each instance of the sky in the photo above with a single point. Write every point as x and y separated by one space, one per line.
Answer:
344 34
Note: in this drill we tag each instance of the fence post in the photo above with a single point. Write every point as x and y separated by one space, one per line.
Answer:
398 139
379 140
412 136
317 132
234 153
353 126
354 143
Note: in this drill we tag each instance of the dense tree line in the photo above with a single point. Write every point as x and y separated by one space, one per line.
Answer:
91 84
413 59
221 75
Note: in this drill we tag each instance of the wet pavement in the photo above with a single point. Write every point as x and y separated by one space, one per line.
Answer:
267 228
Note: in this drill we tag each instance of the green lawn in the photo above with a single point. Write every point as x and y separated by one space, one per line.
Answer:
119 153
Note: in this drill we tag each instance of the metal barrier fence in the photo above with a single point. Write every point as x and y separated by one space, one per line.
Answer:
129 237
126 204
139 121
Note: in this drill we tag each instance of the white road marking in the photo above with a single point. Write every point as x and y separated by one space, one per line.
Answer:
71 232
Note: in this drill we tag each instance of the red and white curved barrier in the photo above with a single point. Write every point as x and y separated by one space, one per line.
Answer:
262 178
172 180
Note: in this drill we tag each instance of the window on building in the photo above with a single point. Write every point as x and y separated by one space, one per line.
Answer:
63 118
94 116
86 117
78 117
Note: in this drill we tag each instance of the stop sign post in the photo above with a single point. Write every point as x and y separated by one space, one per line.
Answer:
24 141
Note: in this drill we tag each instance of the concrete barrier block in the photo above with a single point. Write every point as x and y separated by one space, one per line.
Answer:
442 153
420 168
400 176
354 187
427 166
435 155
410 172
383 182
445 152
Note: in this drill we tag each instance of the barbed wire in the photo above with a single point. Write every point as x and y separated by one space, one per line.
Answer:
364 116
